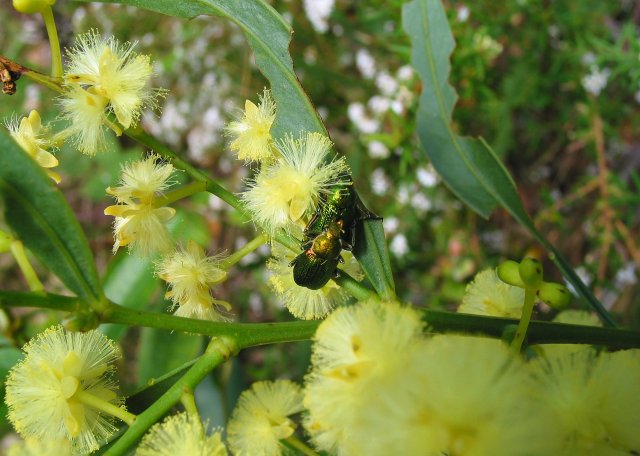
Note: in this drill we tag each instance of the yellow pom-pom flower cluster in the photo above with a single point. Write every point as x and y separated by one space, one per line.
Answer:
261 418
289 188
181 434
190 274
36 140
53 393
378 386
139 220
103 77
488 295
252 135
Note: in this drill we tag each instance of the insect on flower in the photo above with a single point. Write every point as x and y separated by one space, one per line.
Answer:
331 229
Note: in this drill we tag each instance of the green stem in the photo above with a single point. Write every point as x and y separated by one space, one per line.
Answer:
179 193
245 334
251 334
104 406
17 249
243 251
219 349
56 56
299 445
353 287
210 185
527 311
54 84
189 402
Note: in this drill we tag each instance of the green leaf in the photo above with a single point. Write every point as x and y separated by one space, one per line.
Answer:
371 252
130 282
41 218
269 37
468 166
143 397
174 347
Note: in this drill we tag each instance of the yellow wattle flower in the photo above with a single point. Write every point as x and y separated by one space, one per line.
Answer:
253 140
35 140
261 418
48 392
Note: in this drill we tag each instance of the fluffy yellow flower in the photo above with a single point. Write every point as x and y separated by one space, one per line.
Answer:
52 394
488 295
33 447
141 227
142 180
360 356
85 112
181 434
302 302
574 317
190 274
468 396
35 140
104 76
261 418
286 190
253 140
595 401
138 222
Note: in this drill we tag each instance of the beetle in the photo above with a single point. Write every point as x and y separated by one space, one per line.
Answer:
330 229
319 260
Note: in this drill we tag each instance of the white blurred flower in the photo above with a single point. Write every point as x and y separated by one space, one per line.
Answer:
378 150
318 12
421 203
404 193
399 245
405 73
390 224
386 83
379 182
427 176
596 81
626 276
463 13
379 104
365 63
361 119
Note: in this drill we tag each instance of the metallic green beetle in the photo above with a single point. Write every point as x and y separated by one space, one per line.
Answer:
318 262
331 229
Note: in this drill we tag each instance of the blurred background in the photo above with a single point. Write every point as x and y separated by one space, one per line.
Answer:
553 86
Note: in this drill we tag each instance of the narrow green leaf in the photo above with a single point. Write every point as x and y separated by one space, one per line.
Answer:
175 348
41 218
371 253
130 282
468 166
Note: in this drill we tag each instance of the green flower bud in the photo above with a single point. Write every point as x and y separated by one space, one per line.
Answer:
530 271
508 273
5 241
32 6
554 295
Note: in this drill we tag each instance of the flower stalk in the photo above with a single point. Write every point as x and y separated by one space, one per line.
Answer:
54 42
20 255
104 406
